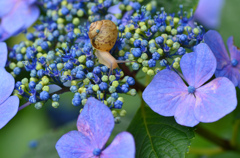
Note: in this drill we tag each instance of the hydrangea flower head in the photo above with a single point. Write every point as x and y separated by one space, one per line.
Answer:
227 67
8 105
16 15
168 95
95 124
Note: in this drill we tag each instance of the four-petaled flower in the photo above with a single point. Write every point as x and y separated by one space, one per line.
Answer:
95 124
168 95
16 15
226 67
8 105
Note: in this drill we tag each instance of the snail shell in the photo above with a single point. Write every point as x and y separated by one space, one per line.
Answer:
103 35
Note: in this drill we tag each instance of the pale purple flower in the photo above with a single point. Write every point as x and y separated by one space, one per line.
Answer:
16 15
95 124
168 95
226 66
8 104
208 13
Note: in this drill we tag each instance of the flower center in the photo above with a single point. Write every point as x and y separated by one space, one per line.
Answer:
191 89
97 152
234 62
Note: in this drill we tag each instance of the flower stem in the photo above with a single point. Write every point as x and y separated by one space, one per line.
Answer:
206 151
235 133
223 143
63 90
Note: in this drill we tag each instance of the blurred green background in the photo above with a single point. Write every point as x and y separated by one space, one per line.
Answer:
31 124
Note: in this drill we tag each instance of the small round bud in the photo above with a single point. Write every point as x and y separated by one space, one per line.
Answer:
123 113
55 104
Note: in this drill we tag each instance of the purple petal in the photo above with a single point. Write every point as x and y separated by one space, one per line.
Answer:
215 100
123 146
234 51
8 110
31 15
185 111
54 88
199 66
115 9
3 54
214 40
3 34
6 84
14 21
21 16
208 12
31 1
96 122
164 92
231 73
6 6
75 145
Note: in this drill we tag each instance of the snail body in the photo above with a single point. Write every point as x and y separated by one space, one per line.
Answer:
103 36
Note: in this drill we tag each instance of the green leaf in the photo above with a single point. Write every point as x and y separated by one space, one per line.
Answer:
172 6
46 144
159 137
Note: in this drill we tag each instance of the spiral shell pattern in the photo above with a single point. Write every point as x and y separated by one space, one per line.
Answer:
103 35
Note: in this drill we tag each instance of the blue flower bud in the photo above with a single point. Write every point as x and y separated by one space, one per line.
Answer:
136 52
159 40
32 99
156 56
151 63
30 36
97 70
154 29
181 51
130 81
89 63
64 11
135 66
69 65
137 43
180 29
38 87
121 28
19 57
80 75
44 95
44 45
163 62
118 104
73 89
40 73
18 84
125 88
38 105
76 101
55 97
16 70
128 35
31 84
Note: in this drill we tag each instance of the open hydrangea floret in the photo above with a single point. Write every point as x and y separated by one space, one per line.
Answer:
226 66
168 95
8 104
95 124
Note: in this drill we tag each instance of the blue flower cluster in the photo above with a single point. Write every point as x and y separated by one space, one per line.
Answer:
59 54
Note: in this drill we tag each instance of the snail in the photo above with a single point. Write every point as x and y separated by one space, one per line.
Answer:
103 36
